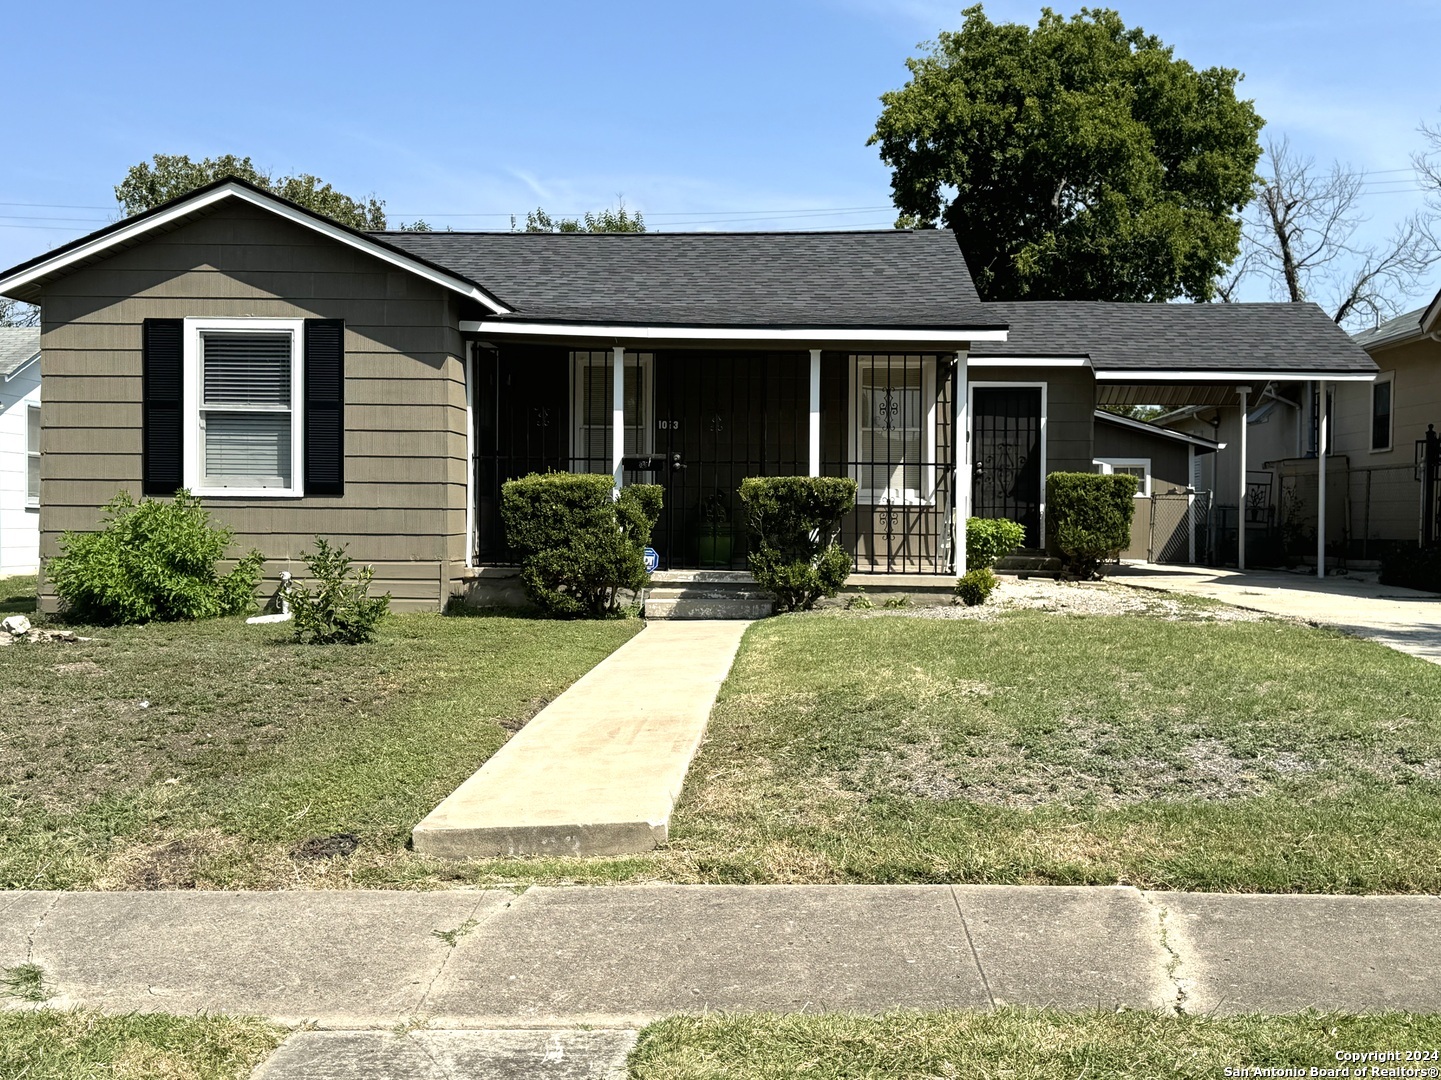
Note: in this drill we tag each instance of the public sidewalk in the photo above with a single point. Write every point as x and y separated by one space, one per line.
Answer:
618 957
1404 619
598 770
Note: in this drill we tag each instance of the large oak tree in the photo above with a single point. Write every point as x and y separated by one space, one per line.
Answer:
1076 160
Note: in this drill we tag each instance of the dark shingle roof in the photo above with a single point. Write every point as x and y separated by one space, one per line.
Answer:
18 346
894 278
1179 337
1391 332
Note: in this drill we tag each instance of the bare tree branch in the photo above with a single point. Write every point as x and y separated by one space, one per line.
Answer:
14 313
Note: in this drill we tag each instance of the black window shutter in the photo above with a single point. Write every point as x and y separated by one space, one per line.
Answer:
324 407
162 366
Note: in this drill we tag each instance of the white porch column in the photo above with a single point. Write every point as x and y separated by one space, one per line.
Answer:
961 454
470 539
1323 440
815 433
1244 391
617 414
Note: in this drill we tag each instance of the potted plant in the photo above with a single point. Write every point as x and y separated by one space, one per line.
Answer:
717 535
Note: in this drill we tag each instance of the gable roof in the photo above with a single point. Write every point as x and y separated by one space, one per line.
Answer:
1204 445
885 279
1148 341
1431 315
18 346
23 282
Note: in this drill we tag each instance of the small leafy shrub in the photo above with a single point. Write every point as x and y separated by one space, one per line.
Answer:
859 602
793 523
1088 519
152 561
579 544
1412 568
988 540
895 603
335 609
974 586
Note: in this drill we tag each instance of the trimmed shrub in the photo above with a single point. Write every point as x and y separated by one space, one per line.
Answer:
1088 519
1413 568
988 540
793 523
334 610
579 543
152 561
975 586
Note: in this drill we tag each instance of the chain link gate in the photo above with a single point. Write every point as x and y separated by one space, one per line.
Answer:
1180 527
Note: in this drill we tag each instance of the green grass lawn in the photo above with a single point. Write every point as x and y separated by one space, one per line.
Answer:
1041 748
1019 1044
85 1045
17 595
207 754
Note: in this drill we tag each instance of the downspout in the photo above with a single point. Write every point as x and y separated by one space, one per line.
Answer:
1241 496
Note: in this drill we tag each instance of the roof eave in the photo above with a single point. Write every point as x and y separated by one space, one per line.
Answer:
1160 432
18 368
957 337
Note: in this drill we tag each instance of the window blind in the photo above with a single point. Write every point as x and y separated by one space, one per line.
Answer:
247 369
250 449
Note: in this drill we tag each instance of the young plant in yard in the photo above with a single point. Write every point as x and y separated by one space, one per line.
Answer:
975 586
988 540
1088 519
794 522
152 561
580 543
335 609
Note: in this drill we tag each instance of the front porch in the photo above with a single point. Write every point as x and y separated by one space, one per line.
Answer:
698 421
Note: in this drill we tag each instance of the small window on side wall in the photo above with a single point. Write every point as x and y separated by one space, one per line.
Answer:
1381 413
32 455
1140 468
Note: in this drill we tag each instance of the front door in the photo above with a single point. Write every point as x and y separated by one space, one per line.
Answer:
721 417
1006 456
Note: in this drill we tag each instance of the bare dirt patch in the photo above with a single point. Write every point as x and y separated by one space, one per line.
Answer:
1080 598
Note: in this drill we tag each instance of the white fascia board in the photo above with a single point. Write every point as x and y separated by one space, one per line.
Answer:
234 191
624 332
22 367
1232 376
1028 361
1152 429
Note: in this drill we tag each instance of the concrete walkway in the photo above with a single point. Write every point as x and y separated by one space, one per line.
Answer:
598 770
621 956
1404 619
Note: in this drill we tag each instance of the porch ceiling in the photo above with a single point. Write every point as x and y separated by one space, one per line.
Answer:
1171 394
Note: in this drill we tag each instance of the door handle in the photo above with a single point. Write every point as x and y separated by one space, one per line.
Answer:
676 465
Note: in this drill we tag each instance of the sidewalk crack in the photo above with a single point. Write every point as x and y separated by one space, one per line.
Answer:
454 943
1166 938
441 1069
975 956
39 925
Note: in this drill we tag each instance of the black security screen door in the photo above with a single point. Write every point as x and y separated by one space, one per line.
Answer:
1006 456
720 417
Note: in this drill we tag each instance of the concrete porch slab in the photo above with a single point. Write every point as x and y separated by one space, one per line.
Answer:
599 769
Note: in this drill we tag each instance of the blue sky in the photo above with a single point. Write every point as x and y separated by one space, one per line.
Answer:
738 115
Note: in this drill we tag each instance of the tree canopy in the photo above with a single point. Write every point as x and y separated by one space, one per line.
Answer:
1076 160
168 176
607 220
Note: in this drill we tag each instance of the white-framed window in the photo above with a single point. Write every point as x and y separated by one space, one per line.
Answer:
32 455
1140 468
893 429
1383 407
593 397
244 394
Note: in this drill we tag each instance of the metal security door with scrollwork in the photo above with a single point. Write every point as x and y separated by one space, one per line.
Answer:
1006 456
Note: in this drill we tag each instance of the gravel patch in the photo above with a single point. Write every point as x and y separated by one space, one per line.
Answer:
1081 598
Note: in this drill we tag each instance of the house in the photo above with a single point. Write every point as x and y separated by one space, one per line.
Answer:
378 388
1378 435
19 450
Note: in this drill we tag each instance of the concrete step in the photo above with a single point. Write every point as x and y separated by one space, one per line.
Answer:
706 608
707 592
1037 564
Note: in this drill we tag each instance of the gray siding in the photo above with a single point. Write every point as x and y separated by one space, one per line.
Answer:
404 503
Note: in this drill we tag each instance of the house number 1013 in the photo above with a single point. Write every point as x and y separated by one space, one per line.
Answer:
668 425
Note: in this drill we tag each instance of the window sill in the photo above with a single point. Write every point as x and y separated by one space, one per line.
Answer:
247 493
865 498
32 505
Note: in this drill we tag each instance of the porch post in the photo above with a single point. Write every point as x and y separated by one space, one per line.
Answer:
470 539
1244 391
815 432
617 414
1323 439
961 455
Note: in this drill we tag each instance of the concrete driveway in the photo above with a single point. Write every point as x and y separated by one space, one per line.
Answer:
1404 619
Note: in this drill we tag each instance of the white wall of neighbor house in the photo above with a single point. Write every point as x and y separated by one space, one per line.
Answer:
19 501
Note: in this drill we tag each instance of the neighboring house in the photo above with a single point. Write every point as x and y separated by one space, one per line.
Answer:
305 379
1378 431
19 450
